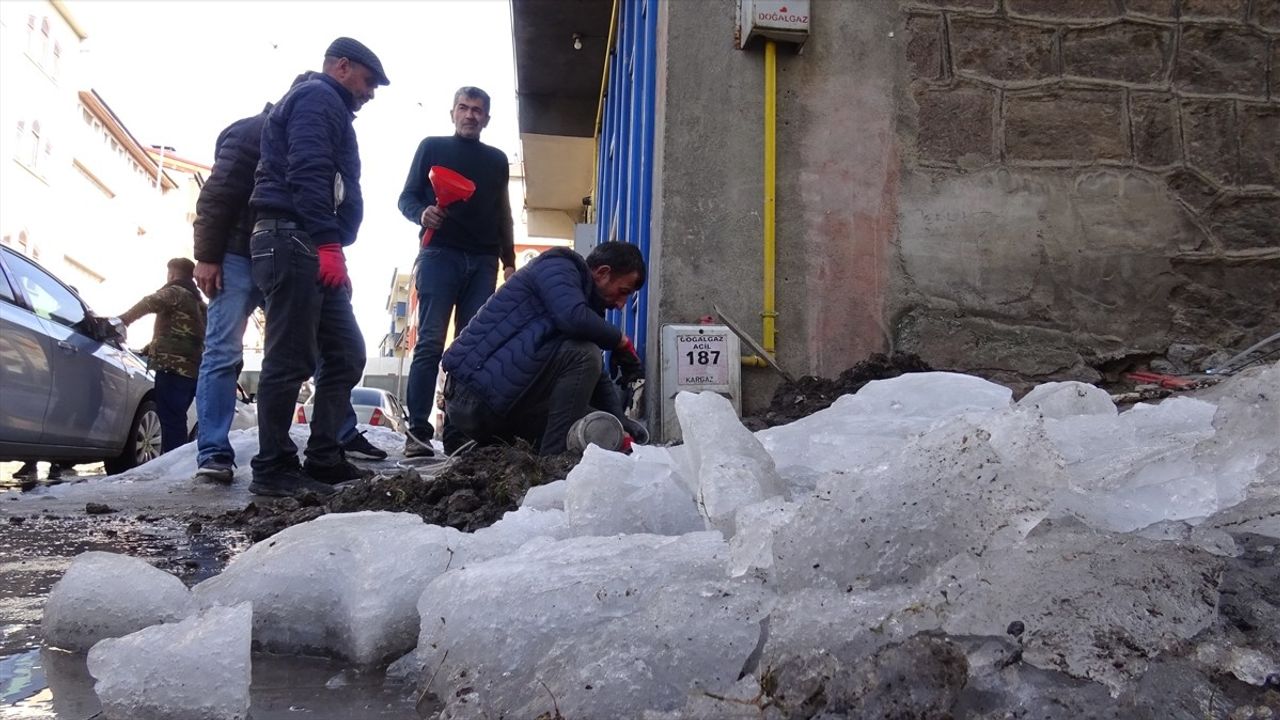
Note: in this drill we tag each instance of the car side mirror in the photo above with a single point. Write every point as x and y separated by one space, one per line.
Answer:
107 330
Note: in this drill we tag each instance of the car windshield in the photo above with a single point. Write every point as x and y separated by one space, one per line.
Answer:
365 396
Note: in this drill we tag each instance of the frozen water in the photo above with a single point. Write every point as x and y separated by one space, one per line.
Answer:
104 595
1095 605
196 669
608 626
732 467
545 497
1066 399
345 584
945 493
751 548
511 532
859 429
610 493
1156 463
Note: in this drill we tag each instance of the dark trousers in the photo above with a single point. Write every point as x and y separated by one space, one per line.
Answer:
174 394
451 283
560 396
311 330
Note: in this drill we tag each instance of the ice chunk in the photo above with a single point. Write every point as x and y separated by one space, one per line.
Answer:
545 497
197 669
1094 605
104 595
610 493
1065 399
1148 465
879 418
345 583
609 626
751 548
512 531
945 493
732 467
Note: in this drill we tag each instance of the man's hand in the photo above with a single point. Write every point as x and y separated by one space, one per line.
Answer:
208 277
333 266
433 217
507 272
626 361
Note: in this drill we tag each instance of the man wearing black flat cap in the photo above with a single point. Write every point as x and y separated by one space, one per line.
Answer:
307 205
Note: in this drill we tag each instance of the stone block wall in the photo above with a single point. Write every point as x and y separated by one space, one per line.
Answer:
1104 134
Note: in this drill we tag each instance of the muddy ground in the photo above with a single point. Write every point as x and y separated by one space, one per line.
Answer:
468 492
809 394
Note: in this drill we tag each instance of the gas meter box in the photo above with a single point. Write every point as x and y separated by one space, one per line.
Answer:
782 20
698 358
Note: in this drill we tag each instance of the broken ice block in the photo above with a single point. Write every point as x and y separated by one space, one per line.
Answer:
197 669
1066 399
545 497
732 467
609 626
345 584
105 595
610 493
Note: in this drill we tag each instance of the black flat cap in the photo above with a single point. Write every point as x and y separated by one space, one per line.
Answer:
355 51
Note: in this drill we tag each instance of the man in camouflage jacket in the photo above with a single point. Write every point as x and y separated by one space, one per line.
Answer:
175 348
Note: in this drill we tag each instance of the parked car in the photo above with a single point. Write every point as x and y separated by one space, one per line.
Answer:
71 391
245 415
372 406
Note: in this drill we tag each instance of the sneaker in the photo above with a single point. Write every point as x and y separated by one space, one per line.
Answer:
415 448
338 472
218 471
288 481
360 447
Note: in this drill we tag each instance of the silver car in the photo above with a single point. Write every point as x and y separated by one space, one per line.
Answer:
69 389
373 406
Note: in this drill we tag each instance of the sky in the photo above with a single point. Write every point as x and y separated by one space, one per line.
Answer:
178 72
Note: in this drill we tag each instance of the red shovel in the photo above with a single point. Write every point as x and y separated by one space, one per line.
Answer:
450 187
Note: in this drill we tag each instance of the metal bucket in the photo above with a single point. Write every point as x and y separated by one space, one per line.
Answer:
598 428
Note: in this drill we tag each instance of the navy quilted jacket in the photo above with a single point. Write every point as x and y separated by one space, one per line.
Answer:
310 165
552 299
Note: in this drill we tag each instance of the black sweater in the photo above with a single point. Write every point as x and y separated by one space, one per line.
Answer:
481 225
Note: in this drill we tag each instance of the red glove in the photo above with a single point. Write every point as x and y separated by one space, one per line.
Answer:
333 266
626 362
626 445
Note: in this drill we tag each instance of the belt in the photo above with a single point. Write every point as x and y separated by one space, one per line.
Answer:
268 224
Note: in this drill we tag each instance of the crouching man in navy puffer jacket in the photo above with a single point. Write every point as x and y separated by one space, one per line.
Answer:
528 364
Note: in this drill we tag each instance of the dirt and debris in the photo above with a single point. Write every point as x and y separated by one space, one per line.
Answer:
94 508
810 394
472 492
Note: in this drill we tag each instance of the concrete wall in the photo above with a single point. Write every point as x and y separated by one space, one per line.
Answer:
1020 188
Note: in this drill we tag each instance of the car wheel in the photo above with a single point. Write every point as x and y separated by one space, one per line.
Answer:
143 444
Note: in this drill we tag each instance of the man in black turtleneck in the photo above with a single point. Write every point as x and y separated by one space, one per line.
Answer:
458 270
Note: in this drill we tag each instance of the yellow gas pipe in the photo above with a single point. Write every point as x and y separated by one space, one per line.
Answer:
770 312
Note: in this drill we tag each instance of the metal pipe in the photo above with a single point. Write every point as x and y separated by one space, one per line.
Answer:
593 211
770 313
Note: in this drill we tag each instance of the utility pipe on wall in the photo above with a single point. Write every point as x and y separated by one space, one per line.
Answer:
770 313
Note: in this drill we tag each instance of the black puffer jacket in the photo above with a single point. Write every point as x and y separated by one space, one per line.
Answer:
223 218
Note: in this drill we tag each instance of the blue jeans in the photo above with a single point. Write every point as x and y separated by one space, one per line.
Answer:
173 394
311 330
446 278
229 312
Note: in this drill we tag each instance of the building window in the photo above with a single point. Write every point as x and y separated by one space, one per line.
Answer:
31 35
33 153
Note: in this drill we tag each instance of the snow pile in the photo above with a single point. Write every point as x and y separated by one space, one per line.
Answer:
179 465
105 595
345 584
197 669
1049 552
